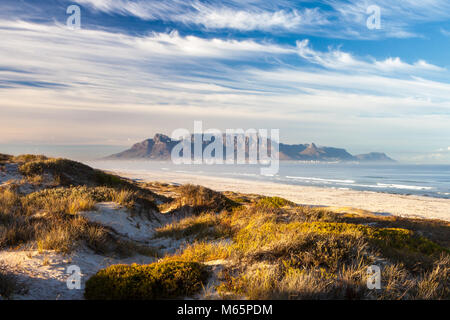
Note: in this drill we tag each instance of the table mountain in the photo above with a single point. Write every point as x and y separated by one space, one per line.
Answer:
160 147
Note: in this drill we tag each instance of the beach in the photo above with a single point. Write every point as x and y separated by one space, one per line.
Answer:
377 202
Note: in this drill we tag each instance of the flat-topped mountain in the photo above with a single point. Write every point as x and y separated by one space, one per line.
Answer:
374 157
160 148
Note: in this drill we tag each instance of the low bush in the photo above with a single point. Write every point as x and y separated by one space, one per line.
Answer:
82 198
203 199
274 202
384 237
4 158
107 179
67 172
202 252
205 226
24 158
161 280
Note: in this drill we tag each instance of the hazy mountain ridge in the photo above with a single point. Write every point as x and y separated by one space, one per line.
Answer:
160 146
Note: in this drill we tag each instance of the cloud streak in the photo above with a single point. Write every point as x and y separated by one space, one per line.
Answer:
226 18
337 59
330 18
170 79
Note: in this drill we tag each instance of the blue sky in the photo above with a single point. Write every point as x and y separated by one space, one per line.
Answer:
313 69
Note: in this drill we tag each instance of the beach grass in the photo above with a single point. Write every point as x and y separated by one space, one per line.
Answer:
47 218
267 247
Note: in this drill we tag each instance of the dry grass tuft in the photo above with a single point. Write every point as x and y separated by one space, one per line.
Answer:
270 248
49 218
203 199
205 226
311 253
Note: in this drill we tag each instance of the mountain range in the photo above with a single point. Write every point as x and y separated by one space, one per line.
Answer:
160 147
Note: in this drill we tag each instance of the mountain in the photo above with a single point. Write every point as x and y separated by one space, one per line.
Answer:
311 152
374 157
160 147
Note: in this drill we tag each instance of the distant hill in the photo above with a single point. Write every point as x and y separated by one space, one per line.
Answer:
160 147
311 152
374 157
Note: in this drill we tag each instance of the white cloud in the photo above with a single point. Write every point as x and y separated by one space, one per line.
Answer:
169 80
223 17
445 32
395 64
340 19
408 10
337 59
147 10
214 15
398 18
174 44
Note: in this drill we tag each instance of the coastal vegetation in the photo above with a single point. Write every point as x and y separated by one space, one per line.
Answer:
161 280
261 247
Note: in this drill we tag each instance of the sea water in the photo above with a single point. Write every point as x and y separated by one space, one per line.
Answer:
424 180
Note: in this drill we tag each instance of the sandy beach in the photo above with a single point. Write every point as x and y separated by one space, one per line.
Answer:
376 202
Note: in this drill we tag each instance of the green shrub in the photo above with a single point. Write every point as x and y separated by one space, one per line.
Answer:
385 237
54 166
274 202
204 226
161 280
204 199
24 158
106 179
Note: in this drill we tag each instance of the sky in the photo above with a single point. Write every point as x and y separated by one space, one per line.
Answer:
319 71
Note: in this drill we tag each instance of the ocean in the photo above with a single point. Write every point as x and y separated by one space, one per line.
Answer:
424 180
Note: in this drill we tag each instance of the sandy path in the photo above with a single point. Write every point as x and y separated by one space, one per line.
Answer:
401 205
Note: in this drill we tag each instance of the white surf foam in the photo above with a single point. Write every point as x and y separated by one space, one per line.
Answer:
321 180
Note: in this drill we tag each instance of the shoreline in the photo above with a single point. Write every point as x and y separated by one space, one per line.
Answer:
411 206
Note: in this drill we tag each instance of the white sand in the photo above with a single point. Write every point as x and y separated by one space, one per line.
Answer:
380 203
10 174
44 274
122 221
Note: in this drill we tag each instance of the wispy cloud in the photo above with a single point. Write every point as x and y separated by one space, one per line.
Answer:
445 32
254 19
147 10
116 81
330 18
215 14
337 59
398 18
409 10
